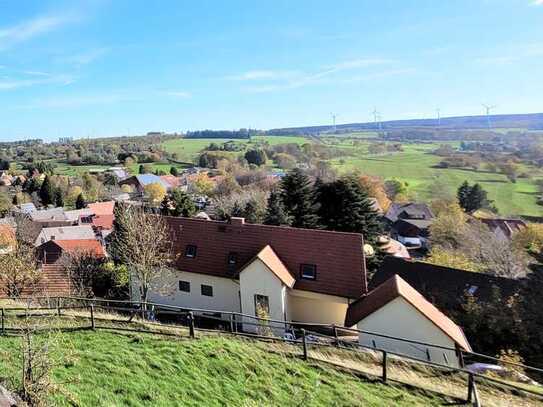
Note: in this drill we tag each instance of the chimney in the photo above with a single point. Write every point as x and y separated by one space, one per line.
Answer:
52 237
235 221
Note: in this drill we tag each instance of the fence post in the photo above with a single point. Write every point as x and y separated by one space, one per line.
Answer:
92 316
470 388
3 328
191 324
59 305
459 355
385 357
334 329
304 344
231 323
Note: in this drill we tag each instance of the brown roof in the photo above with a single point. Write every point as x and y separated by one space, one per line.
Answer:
338 256
84 246
507 226
397 287
274 263
172 180
103 221
102 208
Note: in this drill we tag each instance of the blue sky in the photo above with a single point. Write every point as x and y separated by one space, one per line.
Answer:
98 68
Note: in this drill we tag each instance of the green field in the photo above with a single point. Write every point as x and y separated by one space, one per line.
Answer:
103 368
415 166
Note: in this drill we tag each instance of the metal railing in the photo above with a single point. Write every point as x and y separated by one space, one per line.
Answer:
304 334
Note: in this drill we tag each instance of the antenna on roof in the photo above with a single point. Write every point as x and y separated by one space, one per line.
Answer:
488 108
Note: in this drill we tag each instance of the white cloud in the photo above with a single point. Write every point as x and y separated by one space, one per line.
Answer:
26 30
65 102
262 75
86 57
11 84
538 3
299 79
178 94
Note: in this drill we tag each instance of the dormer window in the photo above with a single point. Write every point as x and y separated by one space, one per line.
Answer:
308 271
190 251
232 258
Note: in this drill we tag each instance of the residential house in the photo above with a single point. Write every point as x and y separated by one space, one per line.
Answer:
174 182
65 233
444 286
394 309
410 223
504 229
139 182
51 252
292 274
50 217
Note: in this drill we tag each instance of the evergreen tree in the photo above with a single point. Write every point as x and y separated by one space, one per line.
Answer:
47 192
344 206
59 200
237 211
257 157
80 202
118 236
477 198
297 198
250 212
275 212
182 204
141 169
463 195
174 172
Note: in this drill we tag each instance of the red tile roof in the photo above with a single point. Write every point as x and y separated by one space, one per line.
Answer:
338 256
84 246
274 263
173 181
102 208
103 221
397 287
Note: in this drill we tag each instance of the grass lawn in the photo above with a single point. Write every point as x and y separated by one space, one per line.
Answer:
112 369
414 165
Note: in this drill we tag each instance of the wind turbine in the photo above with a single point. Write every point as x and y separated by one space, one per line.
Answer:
488 108
438 111
376 118
334 120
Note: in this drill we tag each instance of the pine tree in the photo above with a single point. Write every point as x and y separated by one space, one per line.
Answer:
47 192
59 200
237 211
174 171
477 198
141 169
250 212
183 204
275 212
80 202
463 195
344 206
118 236
297 197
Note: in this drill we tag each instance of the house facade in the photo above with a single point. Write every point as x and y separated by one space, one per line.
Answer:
396 310
285 273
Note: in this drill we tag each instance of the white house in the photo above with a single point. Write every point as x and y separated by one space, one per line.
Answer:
286 273
396 310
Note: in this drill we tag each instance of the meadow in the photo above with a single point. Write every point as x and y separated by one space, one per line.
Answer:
104 368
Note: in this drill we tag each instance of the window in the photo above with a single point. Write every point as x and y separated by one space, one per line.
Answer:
232 258
472 289
308 271
184 286
190 251
262 306
207 290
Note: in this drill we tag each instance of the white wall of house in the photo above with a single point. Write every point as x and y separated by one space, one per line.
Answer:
257 278
399 318
225 292
307 306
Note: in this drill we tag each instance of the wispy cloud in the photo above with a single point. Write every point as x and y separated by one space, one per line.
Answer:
66 102
179 94
26 30
537 3
519 53
7 84
270 80
85 57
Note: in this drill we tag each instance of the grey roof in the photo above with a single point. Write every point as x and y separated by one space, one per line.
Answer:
65 233
408 211
73 216
420 223
48 214
146 179
27 207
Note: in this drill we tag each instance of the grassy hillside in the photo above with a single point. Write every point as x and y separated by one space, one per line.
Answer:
111 369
